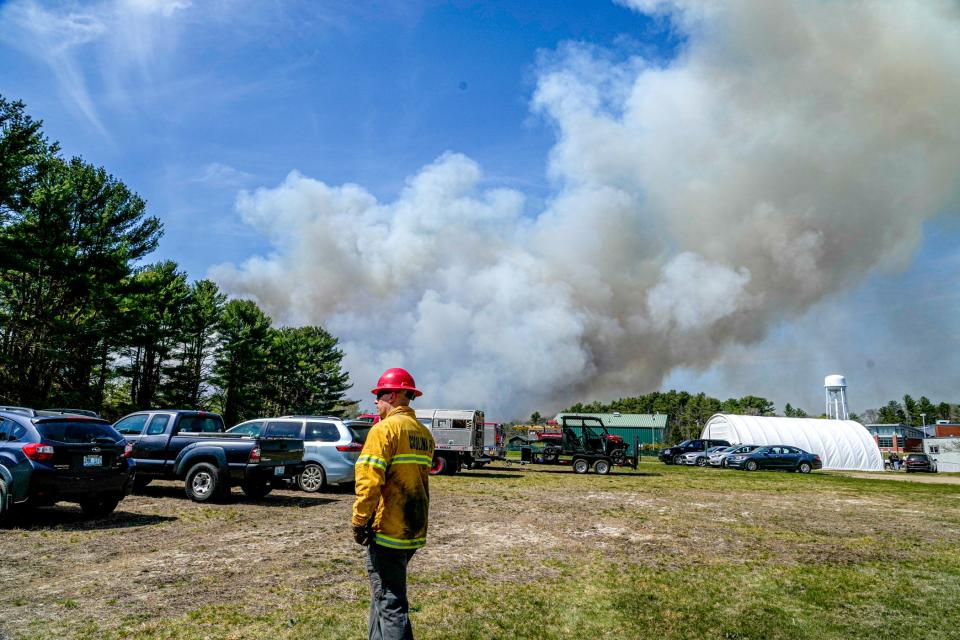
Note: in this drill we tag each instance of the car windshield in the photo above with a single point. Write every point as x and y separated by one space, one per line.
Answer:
77 432
684 443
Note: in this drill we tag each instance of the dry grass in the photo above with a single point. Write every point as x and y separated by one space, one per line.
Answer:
536 552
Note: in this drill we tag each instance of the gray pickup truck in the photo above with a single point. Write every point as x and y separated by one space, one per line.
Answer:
191 445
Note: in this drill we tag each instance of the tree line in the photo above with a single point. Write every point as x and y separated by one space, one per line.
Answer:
687 413
86 322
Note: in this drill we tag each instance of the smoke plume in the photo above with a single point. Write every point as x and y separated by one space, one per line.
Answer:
790 149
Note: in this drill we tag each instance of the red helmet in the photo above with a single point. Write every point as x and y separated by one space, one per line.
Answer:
396 379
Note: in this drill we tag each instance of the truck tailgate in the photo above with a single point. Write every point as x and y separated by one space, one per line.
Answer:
280 451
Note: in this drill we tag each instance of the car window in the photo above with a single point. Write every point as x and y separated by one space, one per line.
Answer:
248 428
283 429
132 425
158 424
6 428
201 424
359 432
76 432
322 431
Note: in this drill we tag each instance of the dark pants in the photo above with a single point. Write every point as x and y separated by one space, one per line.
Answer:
389 609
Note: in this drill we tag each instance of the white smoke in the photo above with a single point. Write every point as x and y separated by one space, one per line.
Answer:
790 149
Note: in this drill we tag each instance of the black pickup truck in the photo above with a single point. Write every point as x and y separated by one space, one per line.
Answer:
192 445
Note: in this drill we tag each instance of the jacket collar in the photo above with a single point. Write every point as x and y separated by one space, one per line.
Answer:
406 411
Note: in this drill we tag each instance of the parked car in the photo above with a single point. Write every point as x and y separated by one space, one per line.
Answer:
919 462
330 446
671 455
699 458
719 458
776 457
192 445
45 460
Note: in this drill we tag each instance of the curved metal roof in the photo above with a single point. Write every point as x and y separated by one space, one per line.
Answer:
841 444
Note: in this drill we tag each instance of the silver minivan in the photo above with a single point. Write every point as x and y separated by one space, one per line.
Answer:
330 447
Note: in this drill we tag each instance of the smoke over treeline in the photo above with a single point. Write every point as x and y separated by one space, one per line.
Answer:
790 149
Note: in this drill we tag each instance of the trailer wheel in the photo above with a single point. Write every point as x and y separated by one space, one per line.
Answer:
440 466
581 466
602 467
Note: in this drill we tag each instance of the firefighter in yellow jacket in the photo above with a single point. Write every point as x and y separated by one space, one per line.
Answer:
393 498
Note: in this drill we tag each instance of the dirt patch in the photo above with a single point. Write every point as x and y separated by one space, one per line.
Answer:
161 555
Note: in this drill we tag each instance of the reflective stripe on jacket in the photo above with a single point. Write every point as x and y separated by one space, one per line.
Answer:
392 480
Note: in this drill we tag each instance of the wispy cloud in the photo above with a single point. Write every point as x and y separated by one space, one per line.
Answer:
92 49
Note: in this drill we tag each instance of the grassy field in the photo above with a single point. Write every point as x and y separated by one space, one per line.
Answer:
534 552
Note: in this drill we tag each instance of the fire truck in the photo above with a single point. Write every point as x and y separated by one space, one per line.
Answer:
458 436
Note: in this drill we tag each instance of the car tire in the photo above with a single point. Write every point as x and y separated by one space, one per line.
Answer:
312 479
602 467
751 465
256 488
99 507
678 460
203 483
804 467
440 466
3 500
581 466
550 456
701 461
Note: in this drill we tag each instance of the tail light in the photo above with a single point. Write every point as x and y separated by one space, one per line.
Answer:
38 452
352 447
254 455
128 450
817 458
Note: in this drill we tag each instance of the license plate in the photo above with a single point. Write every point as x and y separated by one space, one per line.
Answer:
93 461
278 471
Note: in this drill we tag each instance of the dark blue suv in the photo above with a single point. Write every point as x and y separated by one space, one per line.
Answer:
64 458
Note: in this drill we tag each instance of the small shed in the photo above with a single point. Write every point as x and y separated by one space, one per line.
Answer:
648 427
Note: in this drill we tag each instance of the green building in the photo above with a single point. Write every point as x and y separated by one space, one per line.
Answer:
648 427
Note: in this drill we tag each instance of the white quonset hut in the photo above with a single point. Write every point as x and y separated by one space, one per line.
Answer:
841 444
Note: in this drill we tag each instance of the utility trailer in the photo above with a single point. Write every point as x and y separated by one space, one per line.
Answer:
457 435
584 443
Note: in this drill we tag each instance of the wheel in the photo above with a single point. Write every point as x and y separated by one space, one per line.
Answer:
602 467
619 457
677 459
440 466
256 488
99 507
701 461
723 463
550 456
140 483
3 500
312 478
751 465
453 467
478 465
580 465
203 482
804 467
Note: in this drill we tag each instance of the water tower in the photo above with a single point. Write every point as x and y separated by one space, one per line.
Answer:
836 391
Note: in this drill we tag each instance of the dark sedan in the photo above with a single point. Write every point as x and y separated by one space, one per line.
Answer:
919 462
45 460
776 457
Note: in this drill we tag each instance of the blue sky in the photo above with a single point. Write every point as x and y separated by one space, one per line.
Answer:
192 104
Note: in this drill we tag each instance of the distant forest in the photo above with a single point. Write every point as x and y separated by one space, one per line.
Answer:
687 413
86 322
